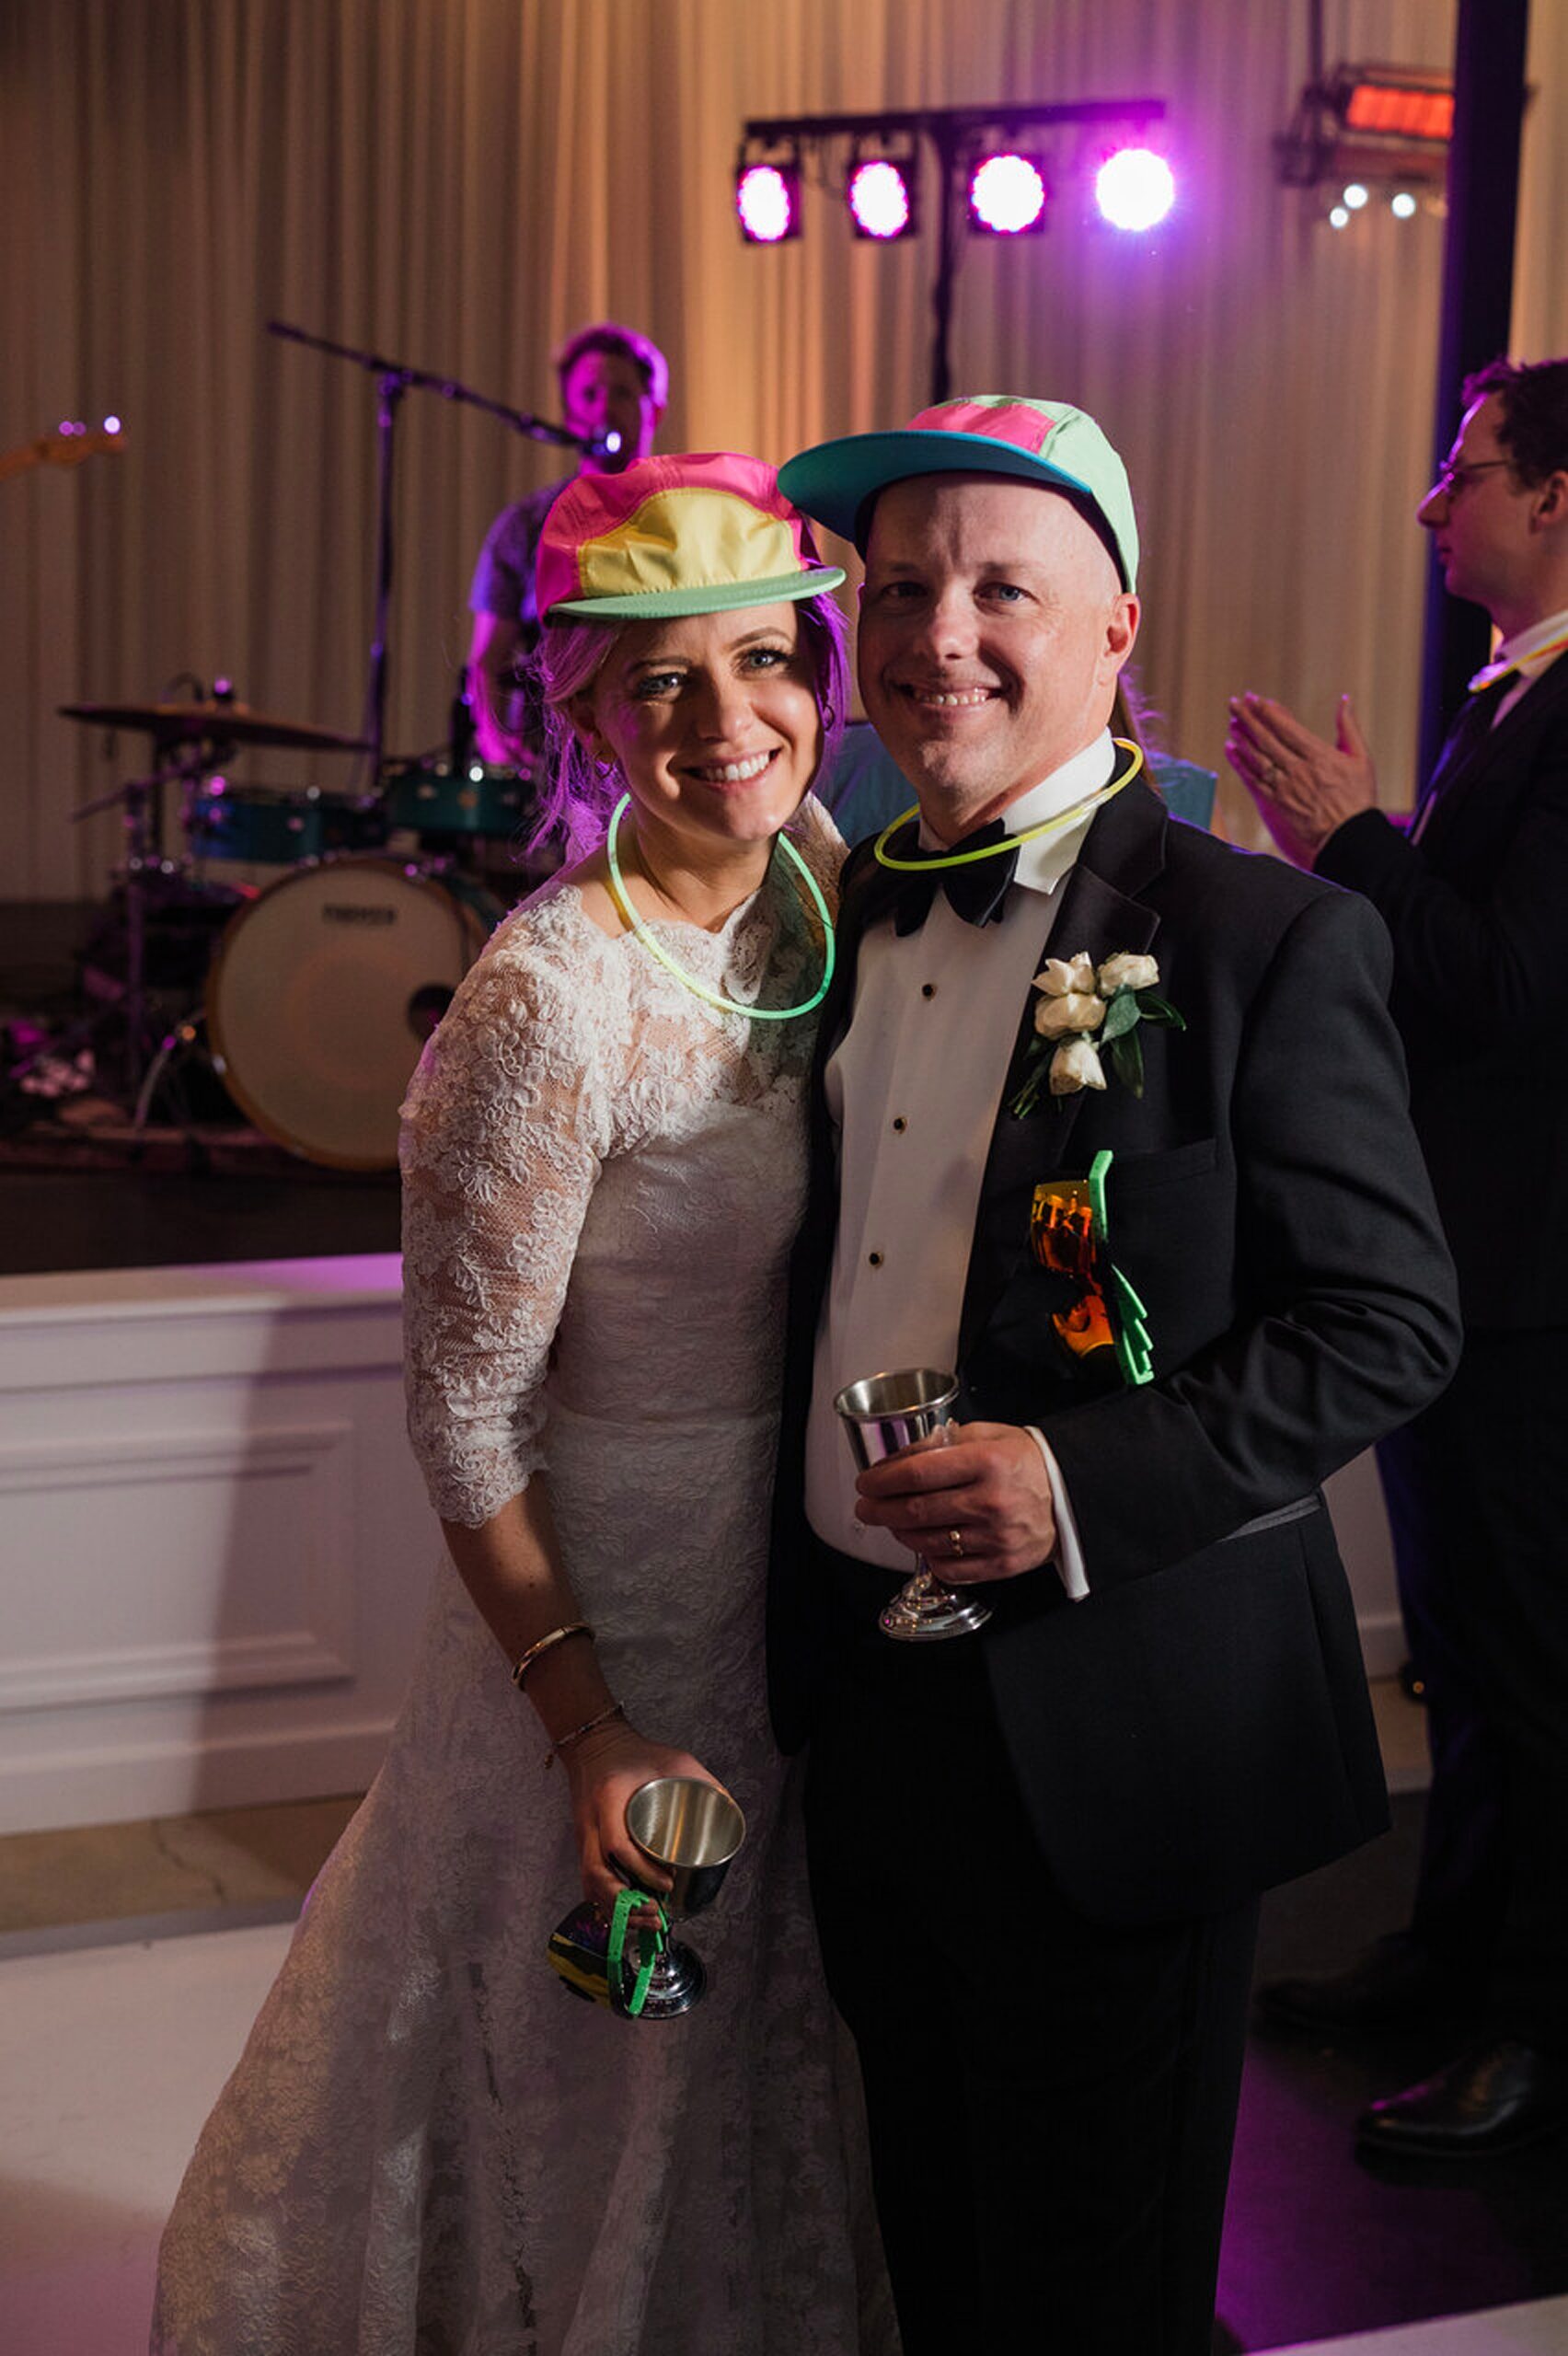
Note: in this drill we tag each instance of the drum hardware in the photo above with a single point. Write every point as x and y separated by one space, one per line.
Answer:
446 802
217 721
189 742
323 991
276 826
393 381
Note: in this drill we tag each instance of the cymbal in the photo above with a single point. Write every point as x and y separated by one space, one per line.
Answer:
227 724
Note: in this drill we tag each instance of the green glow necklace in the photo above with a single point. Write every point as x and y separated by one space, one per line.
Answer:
712 997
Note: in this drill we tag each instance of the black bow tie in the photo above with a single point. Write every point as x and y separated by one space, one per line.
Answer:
978 891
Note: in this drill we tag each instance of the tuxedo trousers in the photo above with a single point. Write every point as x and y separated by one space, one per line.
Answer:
1051 2099
1477 1491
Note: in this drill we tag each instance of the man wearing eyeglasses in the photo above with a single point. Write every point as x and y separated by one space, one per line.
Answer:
1474 891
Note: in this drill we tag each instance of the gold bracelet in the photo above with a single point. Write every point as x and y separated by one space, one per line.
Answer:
556 1636
553 1753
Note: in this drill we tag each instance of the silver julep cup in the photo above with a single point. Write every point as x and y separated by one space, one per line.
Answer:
694 1831
884 1413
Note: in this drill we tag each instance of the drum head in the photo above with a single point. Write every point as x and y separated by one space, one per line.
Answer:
322 995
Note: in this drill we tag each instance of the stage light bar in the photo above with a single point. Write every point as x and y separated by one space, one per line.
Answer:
879 193
1135 189
768 200
1007 195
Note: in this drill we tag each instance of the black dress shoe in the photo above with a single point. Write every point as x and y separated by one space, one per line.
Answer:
1497 2098
1393 1986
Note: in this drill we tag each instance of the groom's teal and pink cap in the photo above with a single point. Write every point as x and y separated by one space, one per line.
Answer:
1047 443
675 535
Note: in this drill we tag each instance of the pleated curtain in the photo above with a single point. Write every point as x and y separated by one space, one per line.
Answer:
457 183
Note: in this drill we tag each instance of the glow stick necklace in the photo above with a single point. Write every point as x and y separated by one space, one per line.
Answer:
712 997
930 866
1495 671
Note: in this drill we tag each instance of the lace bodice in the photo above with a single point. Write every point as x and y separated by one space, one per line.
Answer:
597 1165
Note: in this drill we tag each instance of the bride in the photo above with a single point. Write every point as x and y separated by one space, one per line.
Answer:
430 2147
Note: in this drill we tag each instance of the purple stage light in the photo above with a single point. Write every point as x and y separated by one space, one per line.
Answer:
1006 195
767 198
1135 189
881 200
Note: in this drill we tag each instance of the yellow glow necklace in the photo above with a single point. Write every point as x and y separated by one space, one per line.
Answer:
930 866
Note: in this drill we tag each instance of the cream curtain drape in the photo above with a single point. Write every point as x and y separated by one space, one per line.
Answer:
458 182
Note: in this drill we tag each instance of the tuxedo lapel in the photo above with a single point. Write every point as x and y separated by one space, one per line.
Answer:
1102 915
1474 750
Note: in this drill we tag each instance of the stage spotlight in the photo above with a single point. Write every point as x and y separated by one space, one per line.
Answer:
1403 204
881 196
1135 189
1006 195
1338 217
1354 196
767 199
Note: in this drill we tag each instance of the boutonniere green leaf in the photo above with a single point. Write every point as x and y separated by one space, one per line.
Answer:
1088 1016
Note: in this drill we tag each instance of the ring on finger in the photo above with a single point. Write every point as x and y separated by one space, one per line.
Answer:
955 1544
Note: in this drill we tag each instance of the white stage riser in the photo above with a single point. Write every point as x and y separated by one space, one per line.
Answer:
215 1549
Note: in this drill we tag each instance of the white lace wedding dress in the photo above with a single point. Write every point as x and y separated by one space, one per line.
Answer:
430 2147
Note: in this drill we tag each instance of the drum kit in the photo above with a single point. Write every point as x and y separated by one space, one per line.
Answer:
309 998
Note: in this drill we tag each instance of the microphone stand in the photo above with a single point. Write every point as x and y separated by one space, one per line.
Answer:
393 380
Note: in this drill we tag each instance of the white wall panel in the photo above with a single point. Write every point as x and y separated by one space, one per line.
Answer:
215 1547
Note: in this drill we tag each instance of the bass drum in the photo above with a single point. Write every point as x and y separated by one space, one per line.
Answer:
323 992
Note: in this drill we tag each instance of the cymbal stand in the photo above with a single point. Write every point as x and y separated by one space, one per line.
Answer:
142 799
395 379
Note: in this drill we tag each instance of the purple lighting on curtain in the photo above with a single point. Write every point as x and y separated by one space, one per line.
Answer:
1006 195
880 201
768 200
1135 189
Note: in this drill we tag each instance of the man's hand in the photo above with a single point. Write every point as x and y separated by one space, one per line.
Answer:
982 1485
1304 786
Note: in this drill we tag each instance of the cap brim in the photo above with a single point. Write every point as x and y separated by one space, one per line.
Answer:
722 597
832 483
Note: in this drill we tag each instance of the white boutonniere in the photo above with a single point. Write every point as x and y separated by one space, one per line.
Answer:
1087 1017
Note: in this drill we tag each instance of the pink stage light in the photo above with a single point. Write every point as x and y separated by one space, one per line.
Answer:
1135 189
881 200
767 198
1006 195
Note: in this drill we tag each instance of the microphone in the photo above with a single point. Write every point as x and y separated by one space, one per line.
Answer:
604 445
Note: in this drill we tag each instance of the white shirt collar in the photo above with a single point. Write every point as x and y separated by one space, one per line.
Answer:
1044 862
1525 643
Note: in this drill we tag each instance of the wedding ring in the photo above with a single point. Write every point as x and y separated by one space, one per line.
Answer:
955 1543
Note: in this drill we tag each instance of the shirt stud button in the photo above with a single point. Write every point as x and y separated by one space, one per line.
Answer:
875 1259
900 1123
927 990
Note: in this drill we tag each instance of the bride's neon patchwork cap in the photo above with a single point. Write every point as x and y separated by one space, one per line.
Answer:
1048 442
672 537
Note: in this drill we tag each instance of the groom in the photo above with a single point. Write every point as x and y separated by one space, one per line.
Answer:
1036 1850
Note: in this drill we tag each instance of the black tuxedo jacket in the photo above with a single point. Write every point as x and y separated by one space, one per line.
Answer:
1198 1727
1478 909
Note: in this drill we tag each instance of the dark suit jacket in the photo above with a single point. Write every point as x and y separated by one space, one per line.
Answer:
1479 913
1199 1728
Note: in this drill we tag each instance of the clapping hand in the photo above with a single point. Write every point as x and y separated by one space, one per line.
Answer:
1305 787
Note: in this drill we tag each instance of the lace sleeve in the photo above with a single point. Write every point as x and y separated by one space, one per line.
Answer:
503 1135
